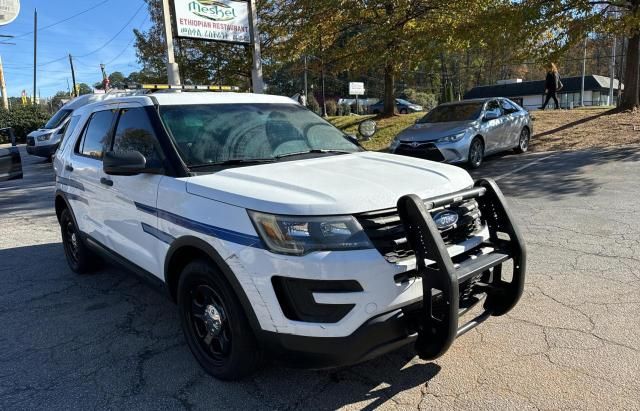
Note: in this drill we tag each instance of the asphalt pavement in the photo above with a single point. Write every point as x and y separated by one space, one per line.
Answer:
109 341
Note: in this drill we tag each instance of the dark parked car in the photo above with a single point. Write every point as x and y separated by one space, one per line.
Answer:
403 107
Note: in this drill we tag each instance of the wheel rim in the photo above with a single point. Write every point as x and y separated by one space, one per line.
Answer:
476 153
209 323
524 139
72 243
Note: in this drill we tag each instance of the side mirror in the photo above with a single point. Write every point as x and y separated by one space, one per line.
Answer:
367 129
491 115
125 163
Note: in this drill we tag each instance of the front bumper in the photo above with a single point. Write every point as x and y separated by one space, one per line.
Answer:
457 152
45 151
453 289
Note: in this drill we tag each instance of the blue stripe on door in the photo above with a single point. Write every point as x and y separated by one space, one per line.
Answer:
160 235
207 229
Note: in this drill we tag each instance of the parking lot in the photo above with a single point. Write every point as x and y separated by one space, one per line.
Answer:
109 341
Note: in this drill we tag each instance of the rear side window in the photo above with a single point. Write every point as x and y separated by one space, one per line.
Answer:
71 125
134 132
96 134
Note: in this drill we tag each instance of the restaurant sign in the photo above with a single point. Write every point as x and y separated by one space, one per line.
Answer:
219 20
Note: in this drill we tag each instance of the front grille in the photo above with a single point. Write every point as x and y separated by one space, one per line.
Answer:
31 141
386 232
427 151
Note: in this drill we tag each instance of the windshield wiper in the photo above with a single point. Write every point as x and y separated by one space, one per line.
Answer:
314 151
234 161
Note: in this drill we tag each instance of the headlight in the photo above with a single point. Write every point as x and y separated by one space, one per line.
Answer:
452 139
301 235
394 144
44 137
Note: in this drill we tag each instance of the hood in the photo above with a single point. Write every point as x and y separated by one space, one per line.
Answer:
41 131
434 131
341 184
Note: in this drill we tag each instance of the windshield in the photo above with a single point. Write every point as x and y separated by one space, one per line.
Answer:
453 112
405 102
57 119
211 134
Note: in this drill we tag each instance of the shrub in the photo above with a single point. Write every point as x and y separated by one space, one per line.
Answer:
313 105
426 100
345 109
23 119
332 107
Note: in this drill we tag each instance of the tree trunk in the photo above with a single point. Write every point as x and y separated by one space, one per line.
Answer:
389 90
631 93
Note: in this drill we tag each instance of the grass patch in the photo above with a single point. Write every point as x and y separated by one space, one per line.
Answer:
388 128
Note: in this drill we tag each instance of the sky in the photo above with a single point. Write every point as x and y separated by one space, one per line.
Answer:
103 34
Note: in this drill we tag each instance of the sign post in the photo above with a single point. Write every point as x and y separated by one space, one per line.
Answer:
173 71
356 89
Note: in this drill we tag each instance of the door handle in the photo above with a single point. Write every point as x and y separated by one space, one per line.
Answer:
68 167
106 182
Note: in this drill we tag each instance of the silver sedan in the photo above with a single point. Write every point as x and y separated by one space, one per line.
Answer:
466 131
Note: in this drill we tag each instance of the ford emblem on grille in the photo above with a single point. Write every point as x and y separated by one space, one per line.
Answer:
445 219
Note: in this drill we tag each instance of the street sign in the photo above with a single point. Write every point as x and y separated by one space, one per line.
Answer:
356 89
219 20
9 10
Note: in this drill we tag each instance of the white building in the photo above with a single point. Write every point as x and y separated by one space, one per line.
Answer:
530 94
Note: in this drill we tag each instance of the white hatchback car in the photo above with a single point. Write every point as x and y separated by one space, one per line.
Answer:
277 233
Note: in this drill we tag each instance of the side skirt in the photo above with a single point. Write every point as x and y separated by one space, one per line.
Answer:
115 258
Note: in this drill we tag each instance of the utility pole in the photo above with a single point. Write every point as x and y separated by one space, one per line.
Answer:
3 87
73 76
35 52
68 88
256 67
613 71
306 94
584 69
173 71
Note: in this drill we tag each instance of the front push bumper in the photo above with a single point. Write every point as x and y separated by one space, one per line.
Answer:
442 305
450 290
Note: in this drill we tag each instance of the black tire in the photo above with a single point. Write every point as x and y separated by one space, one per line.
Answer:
476 153
80 259
234 352
523 141
404 111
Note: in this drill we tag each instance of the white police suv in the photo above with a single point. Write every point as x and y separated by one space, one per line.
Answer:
278 234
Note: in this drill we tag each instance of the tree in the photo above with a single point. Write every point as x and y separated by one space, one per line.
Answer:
117 80
83 88
550 28
355 36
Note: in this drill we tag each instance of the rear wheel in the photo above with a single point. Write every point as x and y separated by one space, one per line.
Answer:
523 141
80 259
476 153
214 324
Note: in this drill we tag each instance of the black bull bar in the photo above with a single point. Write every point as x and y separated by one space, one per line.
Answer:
438 322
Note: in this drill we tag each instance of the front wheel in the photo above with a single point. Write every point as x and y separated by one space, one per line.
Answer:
476 153
404 111
214 324
523 141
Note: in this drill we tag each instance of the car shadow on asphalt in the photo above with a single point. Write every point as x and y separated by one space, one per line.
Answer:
555 175
115 322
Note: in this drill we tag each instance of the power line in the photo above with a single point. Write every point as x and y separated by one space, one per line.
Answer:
65 19
117 34
99 48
